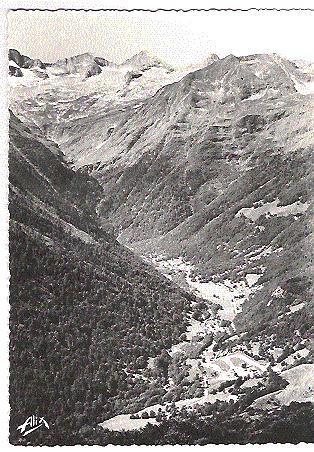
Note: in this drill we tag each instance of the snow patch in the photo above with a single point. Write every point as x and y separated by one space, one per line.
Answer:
252 278
303 87
278 292
297 307
272 208
13 63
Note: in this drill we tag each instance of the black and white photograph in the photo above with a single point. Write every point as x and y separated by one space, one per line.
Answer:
160 226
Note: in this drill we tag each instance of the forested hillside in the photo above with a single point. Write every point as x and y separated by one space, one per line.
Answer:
85 313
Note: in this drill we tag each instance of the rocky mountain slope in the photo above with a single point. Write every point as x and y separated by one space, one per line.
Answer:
84 65
79 113
216 169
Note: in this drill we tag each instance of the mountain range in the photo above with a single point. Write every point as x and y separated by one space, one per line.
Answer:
165 216
84 65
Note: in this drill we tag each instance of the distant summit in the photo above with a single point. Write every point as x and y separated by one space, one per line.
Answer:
143 61
24 61
212 57
85 65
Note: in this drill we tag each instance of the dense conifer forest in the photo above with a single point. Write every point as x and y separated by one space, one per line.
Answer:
84 311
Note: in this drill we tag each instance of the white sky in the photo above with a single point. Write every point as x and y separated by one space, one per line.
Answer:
178 38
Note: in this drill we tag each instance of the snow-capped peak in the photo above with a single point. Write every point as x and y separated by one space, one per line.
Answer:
143 61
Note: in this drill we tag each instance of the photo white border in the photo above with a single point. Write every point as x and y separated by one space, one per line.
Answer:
4 255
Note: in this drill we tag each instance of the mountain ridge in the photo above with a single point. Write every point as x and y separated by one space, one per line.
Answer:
84 64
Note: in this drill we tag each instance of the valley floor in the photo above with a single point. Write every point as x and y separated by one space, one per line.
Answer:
217 367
